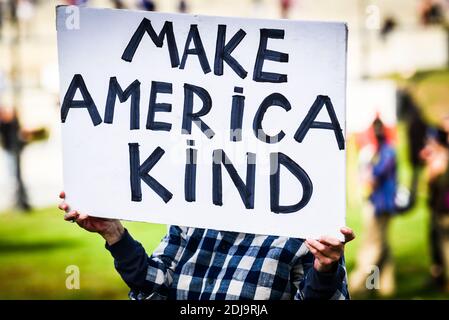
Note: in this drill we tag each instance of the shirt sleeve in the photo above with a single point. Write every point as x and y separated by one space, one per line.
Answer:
312 285
148 277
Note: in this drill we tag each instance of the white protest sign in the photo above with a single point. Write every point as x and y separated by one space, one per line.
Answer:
214 122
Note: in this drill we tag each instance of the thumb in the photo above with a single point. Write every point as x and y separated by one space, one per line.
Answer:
348 234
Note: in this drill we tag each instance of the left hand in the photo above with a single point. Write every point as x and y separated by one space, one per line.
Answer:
328 251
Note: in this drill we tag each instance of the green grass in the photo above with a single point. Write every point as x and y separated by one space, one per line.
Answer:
36 248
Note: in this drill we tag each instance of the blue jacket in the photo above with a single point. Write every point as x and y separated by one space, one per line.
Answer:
384 172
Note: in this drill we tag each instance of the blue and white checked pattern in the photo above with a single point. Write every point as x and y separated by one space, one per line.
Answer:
194 264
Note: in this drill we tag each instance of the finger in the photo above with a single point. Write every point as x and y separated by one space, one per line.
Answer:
311 249
323 259
324 250
348 234
62 195
82 217
316 244
64 206
326 254
330 241
72 215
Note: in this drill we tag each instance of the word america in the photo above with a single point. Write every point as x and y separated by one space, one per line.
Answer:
140 171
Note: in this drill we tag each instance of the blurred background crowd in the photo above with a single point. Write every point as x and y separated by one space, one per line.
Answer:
397 137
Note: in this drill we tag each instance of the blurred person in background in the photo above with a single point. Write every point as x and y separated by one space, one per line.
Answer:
12 8
13 142
147 5
77 2
388 26
118 4
436 156
431 12
25 14
182 6
285 8
416 129
374 254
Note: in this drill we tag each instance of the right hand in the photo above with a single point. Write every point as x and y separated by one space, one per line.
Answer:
110 229
436 157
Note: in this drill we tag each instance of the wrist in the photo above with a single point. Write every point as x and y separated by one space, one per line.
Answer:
113 234
329 268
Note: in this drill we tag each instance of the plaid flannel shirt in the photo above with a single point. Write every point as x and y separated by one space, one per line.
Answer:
198 264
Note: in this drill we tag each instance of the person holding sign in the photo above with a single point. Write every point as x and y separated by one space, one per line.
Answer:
204 100
203 264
